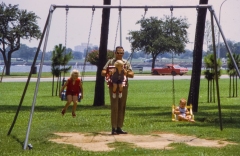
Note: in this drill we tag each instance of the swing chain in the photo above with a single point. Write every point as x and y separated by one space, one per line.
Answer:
173 72
119 14
66 26
93 8
66 23
145 9
89 35
197 8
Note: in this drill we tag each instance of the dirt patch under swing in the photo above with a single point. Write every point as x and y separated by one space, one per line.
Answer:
100 141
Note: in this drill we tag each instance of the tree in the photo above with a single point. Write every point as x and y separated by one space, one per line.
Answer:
126 54
15 25
60 59
93 56
25 52
223 50
99 98
77 55
233 73
210 74
159 36
237 47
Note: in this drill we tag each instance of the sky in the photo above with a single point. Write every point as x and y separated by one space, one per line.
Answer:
79 20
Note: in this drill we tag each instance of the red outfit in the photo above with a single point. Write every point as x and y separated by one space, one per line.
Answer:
73 89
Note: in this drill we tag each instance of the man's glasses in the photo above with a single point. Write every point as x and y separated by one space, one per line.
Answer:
119 53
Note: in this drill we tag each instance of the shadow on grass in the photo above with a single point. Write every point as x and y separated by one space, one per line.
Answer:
13 108
206 115
17 140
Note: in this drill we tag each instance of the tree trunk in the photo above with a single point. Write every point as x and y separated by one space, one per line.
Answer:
208 92
59 85
99 98
211 84
197 57
56 91
8 66
52 85
153 61
8 63
236 86
233 84
213 90
230 85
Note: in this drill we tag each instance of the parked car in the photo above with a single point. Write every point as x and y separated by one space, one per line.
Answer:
170 69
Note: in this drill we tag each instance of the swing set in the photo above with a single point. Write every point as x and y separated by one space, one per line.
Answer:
46 34
173 73
63 93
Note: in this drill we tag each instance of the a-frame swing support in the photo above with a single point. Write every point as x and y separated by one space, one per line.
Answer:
46 32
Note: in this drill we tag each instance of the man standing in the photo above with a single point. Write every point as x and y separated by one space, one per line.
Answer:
118 105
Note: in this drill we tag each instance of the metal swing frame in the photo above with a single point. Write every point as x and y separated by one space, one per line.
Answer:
46 34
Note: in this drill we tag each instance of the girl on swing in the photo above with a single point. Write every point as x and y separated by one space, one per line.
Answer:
182 112
74 87
118 76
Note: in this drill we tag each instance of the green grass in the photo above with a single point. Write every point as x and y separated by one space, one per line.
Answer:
48 74
148 110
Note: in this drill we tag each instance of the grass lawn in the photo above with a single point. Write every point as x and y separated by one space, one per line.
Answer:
48 74
148 110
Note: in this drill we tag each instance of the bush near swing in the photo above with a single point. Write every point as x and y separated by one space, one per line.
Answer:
93 56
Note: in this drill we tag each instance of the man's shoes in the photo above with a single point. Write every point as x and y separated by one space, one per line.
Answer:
114 132
114 95
120 131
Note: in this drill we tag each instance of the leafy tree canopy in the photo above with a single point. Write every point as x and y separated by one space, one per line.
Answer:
210 66
93 56
234 46
60 59
15 24
230 64
159 36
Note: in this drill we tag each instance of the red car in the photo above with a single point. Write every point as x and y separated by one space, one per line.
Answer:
170 69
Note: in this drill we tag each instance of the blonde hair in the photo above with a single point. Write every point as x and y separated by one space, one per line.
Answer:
118 62
182 100
74 72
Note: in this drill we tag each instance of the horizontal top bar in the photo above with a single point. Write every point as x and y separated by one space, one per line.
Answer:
130 7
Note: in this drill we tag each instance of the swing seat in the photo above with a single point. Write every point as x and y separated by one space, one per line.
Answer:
108 77
174 116
64 97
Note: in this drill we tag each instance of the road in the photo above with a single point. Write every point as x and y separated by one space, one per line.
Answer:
148 77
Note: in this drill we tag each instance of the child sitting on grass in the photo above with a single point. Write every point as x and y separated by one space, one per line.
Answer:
182 112
74 87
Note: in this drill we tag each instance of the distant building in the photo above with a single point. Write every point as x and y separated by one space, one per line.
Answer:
83 47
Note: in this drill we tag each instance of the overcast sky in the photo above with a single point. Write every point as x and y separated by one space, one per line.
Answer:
79 19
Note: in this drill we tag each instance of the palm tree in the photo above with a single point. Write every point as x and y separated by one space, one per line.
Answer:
59 61
210 74
233 73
